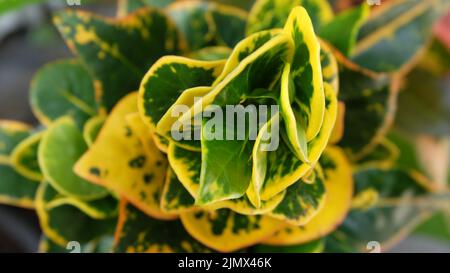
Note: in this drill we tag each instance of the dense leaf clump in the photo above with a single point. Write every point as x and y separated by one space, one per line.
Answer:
105 161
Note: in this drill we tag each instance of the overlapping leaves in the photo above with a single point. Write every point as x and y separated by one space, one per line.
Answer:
227 194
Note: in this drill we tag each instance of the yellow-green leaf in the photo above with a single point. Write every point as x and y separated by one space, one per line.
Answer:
339 190
24 157
118 52
137 232
226 231
61 147
54 220
120 161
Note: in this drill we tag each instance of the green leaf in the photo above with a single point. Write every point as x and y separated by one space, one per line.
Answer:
57 163
230 24
136 232
268 14
11 134
63 88
226 231
207 24
436 227
338 187
306 74
187 165
194 21
260 58
175 198
343 30
118 52
212 53
168 79
382 39
426 93
15 189
226 165
259 158
302 201
54 220
330 69
126 7
24 157
97 209
92 128
384 155
370 102
403 202
284 168
138 169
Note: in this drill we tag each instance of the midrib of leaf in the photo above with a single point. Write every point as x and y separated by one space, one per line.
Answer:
103 46
387 29
78 103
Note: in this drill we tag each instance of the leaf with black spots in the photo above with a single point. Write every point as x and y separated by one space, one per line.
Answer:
137 232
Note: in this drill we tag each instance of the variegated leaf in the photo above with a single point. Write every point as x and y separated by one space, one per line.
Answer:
306 73
137 232
103 208
268 14
186 165
384 155
54 219
338 187
330 69
211 53
226 231
11 134
133 169
125 7
284 168
118 52
370 103
231 179
175 198
57 163
63 88
382 39
208 24
168 79
91 129
15 189
342 31
402 201
302 201
24 157
338 130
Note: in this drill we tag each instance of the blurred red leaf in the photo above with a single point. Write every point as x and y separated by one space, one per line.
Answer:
442 31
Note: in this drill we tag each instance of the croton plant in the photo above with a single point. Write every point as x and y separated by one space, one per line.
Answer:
103 169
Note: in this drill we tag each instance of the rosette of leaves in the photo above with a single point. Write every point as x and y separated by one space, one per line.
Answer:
104 158
228 194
